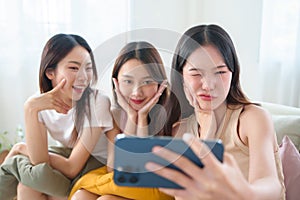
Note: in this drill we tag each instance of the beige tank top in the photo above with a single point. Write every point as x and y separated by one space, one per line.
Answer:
227 132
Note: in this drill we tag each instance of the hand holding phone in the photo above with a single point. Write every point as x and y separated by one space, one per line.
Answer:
132 153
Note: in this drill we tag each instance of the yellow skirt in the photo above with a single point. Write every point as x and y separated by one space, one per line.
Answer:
100 182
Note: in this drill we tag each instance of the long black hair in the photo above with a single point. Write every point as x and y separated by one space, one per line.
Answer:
54 51
193 39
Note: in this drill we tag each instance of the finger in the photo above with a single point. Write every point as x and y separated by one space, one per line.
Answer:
163 86
59 86
184 194
181 179
202 151
116 84
171 174
180 161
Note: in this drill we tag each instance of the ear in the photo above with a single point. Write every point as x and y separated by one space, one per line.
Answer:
50 73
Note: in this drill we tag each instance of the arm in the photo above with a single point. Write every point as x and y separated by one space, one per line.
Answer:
130 127
36 134
71 166
142 128
257 131
206 119
225 180
110 147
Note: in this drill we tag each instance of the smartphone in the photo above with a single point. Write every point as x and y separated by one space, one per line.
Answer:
132 153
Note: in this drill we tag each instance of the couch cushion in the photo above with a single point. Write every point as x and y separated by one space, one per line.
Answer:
287 125
290 158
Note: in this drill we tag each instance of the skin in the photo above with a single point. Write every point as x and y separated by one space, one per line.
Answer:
137 93
69 79
221 180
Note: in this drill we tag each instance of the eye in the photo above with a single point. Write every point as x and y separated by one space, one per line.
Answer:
73 68
89 69
196 74
147 82
221 72
126 81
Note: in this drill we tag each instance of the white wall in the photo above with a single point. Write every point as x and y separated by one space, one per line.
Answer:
167 19
241 19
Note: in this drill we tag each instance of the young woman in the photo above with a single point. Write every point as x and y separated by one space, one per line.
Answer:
143 108
206 65
72 113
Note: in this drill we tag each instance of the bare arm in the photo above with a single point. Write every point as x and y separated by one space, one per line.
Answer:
110 147
36 134
257 131
225 180
71 166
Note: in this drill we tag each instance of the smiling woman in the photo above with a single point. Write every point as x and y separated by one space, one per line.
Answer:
73 113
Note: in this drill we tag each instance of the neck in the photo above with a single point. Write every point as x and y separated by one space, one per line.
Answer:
220 113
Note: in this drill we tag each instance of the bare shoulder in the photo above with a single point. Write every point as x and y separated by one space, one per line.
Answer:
254 113
255 124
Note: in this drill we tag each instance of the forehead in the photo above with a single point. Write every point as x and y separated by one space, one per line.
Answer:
205 57
79 54
134 68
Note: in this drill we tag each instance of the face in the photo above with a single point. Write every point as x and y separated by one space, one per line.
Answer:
136 84
77 69
206 77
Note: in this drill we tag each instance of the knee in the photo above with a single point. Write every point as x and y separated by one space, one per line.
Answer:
83 195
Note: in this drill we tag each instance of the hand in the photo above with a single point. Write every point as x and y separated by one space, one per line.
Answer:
132 114
205 118
54 99
215 181
149 105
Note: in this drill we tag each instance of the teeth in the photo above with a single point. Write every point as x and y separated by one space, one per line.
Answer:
79 87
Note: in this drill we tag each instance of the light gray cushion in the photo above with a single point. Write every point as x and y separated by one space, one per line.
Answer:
287 125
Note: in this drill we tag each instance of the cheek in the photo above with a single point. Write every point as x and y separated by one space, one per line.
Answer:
226 81
191 82
125 90
150 90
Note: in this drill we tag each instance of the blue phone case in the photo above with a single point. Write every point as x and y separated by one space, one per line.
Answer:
132 153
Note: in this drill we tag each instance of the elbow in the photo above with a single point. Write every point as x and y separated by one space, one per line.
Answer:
71 171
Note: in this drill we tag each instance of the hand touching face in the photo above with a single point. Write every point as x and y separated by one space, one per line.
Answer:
207 77
76 69
136 85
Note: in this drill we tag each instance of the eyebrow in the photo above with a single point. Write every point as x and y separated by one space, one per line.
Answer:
199 69
78 63
129 76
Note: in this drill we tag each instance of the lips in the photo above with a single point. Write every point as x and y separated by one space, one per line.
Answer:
206 97
79 88
137 101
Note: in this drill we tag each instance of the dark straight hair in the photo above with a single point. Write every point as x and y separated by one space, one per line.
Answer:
57 48
193 39
150 57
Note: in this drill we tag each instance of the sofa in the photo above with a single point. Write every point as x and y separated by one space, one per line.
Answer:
286 122
287 125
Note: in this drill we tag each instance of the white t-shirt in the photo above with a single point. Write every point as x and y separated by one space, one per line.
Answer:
60 126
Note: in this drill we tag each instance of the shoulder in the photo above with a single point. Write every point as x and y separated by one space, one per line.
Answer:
100 98
254 113
255 123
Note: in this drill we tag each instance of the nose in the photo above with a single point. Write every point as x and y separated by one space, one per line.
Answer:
137 90
82 75
208 83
